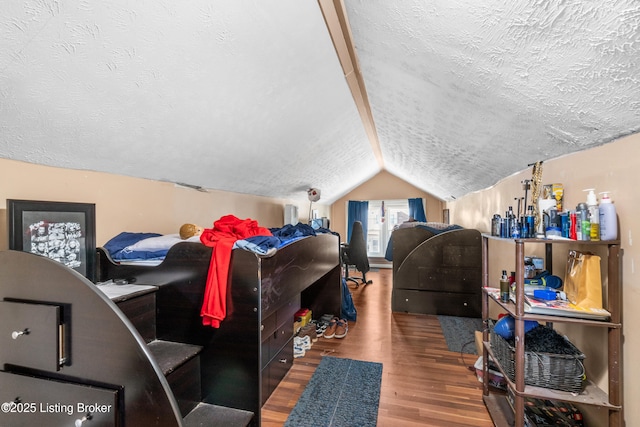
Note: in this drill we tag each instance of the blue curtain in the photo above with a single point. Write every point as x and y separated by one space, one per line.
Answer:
416 210
357 211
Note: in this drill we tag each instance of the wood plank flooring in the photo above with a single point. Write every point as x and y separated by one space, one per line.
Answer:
423 384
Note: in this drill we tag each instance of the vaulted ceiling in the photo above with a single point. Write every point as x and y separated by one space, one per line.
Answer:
272 97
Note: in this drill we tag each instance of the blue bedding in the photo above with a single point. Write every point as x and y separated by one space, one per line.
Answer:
118 247
435 228
126 245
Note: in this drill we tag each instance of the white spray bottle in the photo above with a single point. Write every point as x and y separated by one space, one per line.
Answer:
608 218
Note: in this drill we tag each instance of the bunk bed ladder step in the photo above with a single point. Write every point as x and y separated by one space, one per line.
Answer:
180 364
208 415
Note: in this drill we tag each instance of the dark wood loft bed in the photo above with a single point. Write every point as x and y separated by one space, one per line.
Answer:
243 361
437 273
146 354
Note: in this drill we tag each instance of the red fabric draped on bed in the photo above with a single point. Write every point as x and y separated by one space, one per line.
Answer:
221 237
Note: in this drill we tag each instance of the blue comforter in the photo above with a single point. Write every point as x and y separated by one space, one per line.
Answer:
434 229
120 246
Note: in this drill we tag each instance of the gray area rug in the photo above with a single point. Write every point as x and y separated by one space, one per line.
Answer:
459 332
341 393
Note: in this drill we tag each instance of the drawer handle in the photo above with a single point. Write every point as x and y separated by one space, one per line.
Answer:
282 360
15 334
81 421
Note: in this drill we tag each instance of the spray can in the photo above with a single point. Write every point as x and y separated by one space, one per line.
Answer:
506 224
509 218
495 225
504 287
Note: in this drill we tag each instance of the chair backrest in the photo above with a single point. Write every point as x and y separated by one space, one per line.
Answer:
357 250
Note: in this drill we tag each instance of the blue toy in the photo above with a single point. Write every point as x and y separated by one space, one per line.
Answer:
506 326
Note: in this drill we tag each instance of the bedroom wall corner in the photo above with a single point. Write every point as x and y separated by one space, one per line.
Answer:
383 186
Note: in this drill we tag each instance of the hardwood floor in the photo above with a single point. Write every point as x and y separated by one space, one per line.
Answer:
423 384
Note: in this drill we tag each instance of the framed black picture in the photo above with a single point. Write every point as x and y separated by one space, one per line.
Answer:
64 232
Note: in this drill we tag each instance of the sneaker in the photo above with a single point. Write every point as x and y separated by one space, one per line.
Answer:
310 331
330 332
298 351
327 318
342 327
304 342
320 326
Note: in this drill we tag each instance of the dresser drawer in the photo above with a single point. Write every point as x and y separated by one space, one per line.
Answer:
29 401
277 329
30 334
268 326
273 344
285 314
273 372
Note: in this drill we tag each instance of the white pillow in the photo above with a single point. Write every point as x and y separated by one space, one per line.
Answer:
159 243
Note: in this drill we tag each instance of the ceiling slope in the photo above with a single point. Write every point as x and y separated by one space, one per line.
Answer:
466 93
241 96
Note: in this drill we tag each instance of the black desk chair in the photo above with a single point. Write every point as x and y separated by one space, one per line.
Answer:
355 253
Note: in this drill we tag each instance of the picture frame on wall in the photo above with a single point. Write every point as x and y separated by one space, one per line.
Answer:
62 231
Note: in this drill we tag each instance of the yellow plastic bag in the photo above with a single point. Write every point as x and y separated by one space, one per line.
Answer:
582 282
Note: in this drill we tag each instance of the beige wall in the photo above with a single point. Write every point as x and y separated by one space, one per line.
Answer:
613 167
132 204
383 186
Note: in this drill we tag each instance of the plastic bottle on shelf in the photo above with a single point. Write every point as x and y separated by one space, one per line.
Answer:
608 218
582 222
504 287
573 225
530 219
594 215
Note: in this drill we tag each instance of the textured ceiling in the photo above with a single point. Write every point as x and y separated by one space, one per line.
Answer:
250 96
465 93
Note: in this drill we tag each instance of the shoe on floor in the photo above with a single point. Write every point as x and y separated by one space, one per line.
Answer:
304 342
310 331
320 326
342 327
298 351
330 332
326 318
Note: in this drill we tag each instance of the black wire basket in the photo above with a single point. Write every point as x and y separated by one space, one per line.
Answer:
563 370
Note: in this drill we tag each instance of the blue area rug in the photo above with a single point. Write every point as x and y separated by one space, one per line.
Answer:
341 393
459 332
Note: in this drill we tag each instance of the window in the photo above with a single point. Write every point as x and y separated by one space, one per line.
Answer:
383 216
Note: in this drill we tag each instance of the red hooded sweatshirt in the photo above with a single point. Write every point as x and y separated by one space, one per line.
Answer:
221 237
